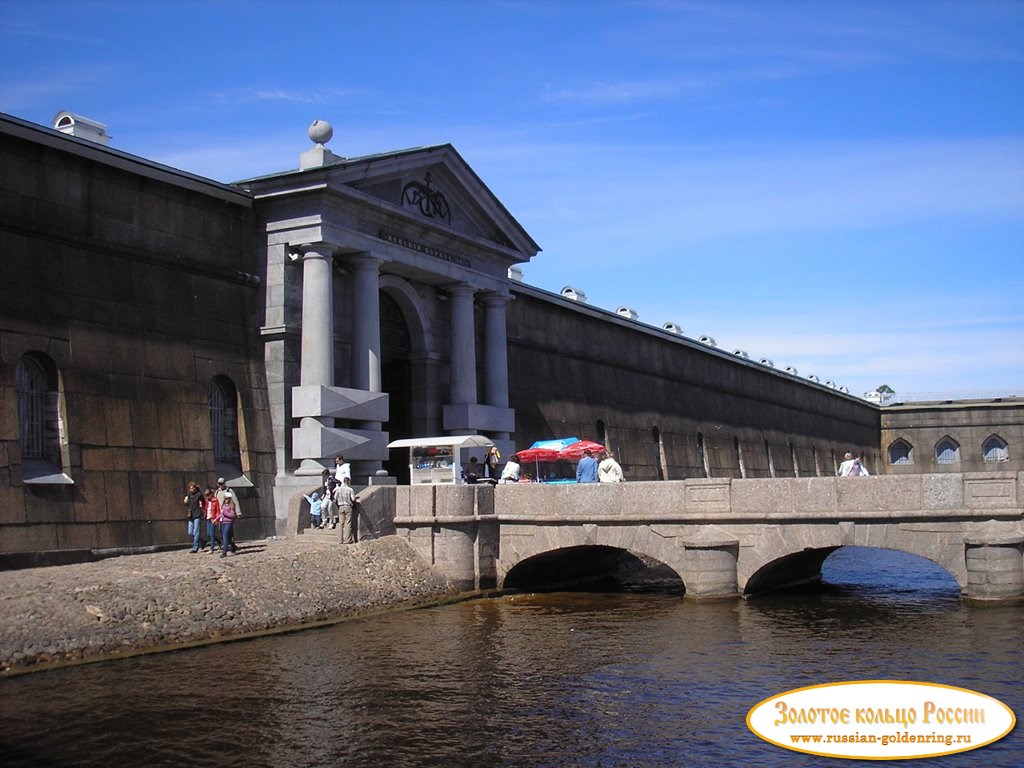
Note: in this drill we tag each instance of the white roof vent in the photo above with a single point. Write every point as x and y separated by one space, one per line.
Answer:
80 127
627 312
766 361
813 378
792 371
830 384
845 390
707 340
672 328
515 273
575 294
740 353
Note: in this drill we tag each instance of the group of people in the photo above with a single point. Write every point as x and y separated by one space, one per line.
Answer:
334 502
603 470
214 510
589 470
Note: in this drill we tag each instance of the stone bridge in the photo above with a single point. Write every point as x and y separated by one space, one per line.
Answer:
721 537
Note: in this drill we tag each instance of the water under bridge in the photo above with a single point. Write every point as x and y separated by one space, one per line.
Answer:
720 537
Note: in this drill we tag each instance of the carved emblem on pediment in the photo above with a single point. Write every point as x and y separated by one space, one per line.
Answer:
427 200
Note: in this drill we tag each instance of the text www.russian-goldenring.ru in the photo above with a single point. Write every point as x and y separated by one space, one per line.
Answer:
885 740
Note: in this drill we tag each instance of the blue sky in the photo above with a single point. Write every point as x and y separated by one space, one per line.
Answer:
836 186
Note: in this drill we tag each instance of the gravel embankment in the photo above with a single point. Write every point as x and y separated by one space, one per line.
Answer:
139 603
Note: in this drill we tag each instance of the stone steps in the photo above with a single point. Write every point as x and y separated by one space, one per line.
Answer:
326 536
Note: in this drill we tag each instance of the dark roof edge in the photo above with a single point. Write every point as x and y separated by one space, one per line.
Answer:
115 158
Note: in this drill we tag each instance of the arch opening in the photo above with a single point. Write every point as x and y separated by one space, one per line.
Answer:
861 571
593 569
396 374
886 572
798 570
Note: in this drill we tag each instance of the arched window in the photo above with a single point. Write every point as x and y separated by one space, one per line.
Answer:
901 452
224 423
40 425
947 451
32 396
995 449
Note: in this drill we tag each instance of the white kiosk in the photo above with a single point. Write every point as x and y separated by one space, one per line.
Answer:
440 460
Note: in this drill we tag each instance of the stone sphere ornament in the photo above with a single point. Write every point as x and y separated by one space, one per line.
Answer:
320 131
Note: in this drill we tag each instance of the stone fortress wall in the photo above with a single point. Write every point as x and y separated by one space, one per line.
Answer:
134 293
672 408
130 288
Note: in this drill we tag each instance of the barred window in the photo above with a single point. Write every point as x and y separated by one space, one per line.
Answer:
996 449
41 421
224 421
901 452
30 380
947 451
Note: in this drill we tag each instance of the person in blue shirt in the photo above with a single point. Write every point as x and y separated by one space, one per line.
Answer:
315 503
586 470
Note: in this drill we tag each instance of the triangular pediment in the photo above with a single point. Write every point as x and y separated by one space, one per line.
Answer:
435 186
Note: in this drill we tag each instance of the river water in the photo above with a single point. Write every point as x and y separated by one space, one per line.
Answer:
569 679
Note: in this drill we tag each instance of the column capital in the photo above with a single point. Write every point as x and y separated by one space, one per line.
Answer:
495 299
460 289
362 261
301 251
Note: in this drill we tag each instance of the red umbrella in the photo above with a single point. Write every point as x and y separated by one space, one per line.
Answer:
575 451
537 454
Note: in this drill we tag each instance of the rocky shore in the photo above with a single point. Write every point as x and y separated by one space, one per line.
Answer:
142 603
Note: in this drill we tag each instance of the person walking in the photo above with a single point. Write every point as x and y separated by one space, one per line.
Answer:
228 516
327 508
345 499
194 512
222 493
342 469
609 471
212 518
315 506
586 470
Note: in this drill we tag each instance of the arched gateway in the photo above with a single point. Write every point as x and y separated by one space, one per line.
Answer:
387 291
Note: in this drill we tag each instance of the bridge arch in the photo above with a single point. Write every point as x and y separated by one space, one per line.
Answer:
793 562
805 567
594 567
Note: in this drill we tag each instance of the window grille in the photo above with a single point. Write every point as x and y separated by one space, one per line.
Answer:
947 452
900 453
223 423
32 396
996 449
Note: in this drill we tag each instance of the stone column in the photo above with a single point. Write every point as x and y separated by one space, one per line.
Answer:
366 341
317 316
496 354
463 350
366 323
